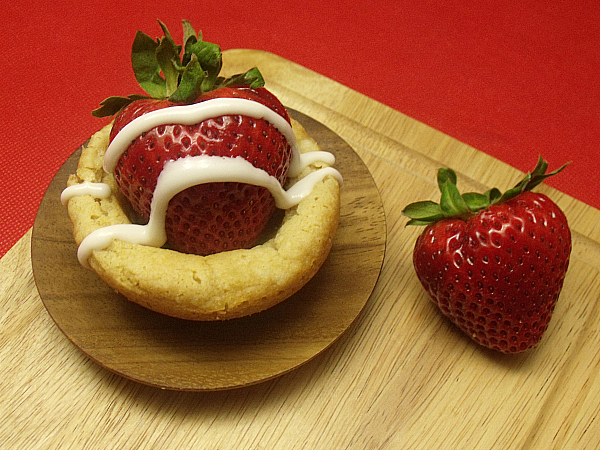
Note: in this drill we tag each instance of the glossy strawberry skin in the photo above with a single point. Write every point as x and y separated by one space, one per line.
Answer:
212 217
498 275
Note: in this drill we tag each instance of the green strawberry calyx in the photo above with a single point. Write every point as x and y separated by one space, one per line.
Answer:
164 72
454 204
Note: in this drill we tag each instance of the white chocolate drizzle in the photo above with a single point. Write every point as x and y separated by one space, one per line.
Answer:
180 174
197 112
96 190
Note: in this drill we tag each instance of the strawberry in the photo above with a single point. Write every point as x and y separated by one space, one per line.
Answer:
493 263
211 217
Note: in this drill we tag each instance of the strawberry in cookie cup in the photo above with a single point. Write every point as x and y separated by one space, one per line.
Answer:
493 263
172 203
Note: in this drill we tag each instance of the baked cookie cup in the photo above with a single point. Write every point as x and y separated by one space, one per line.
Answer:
224 285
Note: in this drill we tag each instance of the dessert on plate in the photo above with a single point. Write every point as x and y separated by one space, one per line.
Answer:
201 200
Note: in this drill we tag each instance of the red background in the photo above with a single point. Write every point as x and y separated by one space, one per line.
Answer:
512 79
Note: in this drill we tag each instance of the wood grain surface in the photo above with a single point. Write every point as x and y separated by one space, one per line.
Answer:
179 354
402 377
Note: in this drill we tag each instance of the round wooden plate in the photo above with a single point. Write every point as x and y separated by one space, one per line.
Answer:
184 355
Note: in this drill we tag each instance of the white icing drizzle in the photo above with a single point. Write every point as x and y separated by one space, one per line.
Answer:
183 173
96 190
197 112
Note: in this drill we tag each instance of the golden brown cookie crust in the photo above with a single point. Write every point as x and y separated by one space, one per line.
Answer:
220 286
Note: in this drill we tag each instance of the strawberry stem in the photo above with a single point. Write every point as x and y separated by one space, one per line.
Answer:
164 73
457 205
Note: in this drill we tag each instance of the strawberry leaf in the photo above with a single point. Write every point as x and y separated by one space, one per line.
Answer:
169 38
531 180
210 59
112 105
146 67
419 222
167 56
189 39
252 78
538 175
445 174
476 201
190 84
424 212
493 195
451 202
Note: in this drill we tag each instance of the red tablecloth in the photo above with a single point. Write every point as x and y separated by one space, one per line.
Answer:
512 79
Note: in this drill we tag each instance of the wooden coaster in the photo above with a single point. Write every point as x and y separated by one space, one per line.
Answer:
162 351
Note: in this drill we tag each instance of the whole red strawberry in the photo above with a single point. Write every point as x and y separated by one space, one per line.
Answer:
494 264
212 217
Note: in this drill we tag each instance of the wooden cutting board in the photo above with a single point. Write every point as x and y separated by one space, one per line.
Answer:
400 377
